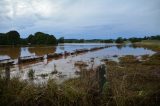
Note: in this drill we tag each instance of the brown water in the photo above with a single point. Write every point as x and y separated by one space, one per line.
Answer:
11 52
65 66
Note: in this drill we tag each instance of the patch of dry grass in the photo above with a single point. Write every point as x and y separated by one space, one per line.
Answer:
132 82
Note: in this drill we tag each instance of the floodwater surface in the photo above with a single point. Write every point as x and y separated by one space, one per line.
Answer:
11 52
65 66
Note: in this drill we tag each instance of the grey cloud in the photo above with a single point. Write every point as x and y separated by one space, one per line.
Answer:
82 17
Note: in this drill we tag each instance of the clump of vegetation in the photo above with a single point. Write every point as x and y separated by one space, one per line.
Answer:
144 57
119 40
10 38
153 60
54 72
133 40
81 64
61 40
43 75
31 74
111 63
129 59
133 84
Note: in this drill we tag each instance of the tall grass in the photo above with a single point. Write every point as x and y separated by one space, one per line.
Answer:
134 82
73 92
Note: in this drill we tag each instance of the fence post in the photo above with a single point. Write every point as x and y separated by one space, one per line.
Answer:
100 75
19 60
7 72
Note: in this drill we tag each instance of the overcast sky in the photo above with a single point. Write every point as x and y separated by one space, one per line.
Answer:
81 18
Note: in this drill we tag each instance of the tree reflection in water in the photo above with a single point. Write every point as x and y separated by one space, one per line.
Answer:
15 52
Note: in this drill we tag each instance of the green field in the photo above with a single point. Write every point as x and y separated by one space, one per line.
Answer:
150 44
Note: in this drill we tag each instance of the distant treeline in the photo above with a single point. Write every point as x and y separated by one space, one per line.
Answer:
118 40
88 41
40 38
13 38
135 39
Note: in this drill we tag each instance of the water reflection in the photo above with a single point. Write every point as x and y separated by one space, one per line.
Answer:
12 52
40 51
120 46
15 52
62 48
133 46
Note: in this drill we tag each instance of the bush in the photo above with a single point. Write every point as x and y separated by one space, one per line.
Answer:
119 40
31 74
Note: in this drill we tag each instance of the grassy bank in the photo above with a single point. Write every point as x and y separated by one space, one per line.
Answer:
151 44
134 82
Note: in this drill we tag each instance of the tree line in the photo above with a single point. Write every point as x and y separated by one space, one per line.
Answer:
40 38
135 39
13 38
118 40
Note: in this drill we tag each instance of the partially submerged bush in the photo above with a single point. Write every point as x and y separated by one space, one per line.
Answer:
31 74
43 75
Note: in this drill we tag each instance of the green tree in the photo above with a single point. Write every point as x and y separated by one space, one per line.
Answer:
13 37
119 40
133 40
61 40
41 38
30 39
108 41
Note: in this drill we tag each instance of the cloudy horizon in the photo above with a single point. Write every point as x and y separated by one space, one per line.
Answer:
86 19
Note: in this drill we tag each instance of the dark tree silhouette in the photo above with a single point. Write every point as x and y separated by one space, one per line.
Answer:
10 38
119 40
61 40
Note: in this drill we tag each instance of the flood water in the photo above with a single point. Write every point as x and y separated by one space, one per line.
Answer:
11 52
65 66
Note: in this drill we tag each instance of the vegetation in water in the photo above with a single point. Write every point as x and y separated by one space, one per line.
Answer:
31 74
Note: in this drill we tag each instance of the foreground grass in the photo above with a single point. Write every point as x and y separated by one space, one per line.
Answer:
130 82
134 82
74 92
20 93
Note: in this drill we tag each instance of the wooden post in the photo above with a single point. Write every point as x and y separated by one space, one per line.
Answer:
7 72
19 60
100 76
